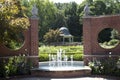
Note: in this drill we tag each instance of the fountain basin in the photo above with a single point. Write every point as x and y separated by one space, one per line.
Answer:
77 69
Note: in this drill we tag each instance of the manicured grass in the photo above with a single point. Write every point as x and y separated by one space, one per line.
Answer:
76 51
68 49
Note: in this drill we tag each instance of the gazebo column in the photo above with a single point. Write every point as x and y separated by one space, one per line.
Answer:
63 40
69 39
72 39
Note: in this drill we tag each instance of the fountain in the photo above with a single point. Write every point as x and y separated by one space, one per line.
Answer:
59 66
57 60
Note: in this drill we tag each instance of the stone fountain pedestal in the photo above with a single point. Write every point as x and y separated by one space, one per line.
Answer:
61 72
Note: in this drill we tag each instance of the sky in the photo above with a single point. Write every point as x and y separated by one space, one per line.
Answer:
66 1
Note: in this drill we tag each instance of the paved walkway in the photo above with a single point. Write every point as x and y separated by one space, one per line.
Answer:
80 78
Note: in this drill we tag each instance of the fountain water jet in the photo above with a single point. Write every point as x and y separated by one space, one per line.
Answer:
57 60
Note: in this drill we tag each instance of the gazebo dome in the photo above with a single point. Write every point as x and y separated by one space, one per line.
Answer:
64 31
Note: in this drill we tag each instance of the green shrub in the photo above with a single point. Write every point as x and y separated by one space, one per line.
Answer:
76 57
11 66
76 51
43 57
2 68
67 49
113 42
15 65
106 66
41 44
52 36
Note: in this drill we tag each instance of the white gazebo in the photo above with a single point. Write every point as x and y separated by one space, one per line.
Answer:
64 33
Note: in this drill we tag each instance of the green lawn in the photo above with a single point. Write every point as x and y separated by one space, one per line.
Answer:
76 51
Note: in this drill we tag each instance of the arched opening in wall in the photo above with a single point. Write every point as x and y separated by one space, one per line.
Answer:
108 38
15 42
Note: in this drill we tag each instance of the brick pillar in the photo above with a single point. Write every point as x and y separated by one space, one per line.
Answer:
87 38
34 41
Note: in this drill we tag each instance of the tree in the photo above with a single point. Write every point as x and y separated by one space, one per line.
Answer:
47 15
98 8
12 20
52 36
53 16
72 14
27 7
115 34
60 20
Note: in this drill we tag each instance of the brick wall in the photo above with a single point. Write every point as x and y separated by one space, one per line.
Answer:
91 28
30 46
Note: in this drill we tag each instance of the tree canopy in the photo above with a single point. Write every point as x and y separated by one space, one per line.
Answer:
12 20
51 15
55 15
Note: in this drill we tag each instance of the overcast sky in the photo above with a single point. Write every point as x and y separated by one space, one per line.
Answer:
66 1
